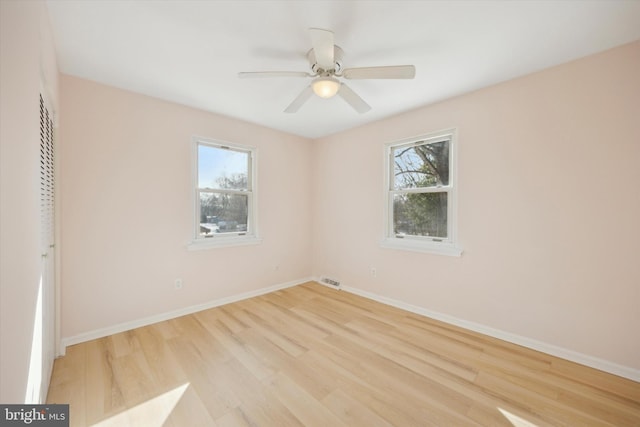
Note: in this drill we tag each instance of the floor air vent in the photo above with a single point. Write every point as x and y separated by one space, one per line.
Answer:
330 282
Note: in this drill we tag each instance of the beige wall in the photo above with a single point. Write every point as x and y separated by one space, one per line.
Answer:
127 209
549 208
27 63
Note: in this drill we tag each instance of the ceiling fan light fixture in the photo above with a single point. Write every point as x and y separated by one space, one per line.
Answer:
325 87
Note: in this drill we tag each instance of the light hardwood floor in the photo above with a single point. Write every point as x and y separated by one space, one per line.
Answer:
314 356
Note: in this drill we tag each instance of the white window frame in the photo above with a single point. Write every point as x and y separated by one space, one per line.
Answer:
248 237
435 245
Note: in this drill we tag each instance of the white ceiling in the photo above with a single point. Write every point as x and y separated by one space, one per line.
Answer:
190 52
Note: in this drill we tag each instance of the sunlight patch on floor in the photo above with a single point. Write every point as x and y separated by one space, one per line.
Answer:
154 412
516 420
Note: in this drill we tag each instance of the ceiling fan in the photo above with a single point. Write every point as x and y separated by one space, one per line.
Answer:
325 59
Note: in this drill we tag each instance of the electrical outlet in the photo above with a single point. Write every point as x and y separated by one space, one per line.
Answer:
374 272
177 284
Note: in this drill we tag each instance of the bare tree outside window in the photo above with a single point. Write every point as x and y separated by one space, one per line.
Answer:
419 193
224 190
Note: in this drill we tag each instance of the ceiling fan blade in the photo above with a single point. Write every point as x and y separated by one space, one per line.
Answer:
322 42
300 100
390 72
353 99
250 75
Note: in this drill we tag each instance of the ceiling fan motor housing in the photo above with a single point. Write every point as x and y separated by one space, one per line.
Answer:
337 55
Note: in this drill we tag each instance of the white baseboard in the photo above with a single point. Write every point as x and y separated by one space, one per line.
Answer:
583 359
573 356
126 326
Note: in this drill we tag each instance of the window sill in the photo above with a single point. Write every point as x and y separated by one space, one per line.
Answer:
436 248
222 242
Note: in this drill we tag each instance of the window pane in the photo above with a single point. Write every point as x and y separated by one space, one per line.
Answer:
420 214
223 213
220 168
425 165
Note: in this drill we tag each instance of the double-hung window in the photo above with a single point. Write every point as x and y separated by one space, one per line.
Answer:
224 193
421 194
